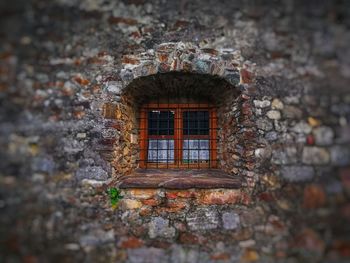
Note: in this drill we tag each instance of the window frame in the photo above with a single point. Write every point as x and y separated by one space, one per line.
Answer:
178 136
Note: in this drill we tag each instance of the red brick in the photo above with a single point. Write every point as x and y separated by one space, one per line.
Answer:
220 197
131 242
150 202
246 76
314 197
145 211
81 81
189 238
267 197
130 60
122 20
220 256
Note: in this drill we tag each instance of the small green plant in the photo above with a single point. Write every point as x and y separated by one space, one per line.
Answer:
114 196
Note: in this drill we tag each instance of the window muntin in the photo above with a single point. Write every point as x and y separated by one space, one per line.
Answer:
196 122
196 145
195 151
161 122
178 136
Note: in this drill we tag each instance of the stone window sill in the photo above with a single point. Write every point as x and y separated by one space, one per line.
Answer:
179 179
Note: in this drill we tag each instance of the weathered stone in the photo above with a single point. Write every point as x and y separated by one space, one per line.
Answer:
246 76
189 238
143 193
97 237
264 124
159 227
126 75
250 255
151 202
313 122
297 173
220 197
131 242
232 77
182 194
230 220
284 155
309 240
314 197
273 115
145 211
275 226
340 155
271 180
263 153
114 87
344 174
247 243
292 112
129 204
262 103
202 218
92 172
323 135
43 165
277 104
221 256
186 179
302 127
315 155
72 146
81 135
147 254
251 217
271 136
176 205
92 183
292 99
310 139
343 134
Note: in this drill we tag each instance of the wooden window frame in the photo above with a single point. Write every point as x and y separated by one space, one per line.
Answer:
178 135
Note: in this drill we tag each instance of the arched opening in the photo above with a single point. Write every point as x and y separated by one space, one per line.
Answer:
171 87
205 108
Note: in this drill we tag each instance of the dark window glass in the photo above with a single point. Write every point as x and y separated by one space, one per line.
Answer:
196 123
161 122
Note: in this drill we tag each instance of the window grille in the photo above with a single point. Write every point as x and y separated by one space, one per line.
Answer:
178 135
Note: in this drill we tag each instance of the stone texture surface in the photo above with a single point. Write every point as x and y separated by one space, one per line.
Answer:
203 218
179 179
297 173
315 155
323 136
72 75
230 220
159 227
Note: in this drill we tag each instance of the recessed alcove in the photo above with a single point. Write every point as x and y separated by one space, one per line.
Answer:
180 88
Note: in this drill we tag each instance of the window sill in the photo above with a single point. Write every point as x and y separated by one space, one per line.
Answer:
179 179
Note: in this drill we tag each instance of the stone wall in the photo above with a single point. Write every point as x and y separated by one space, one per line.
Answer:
72 77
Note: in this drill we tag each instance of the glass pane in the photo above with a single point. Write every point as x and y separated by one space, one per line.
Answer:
196 123
161 122
195 151
161 151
